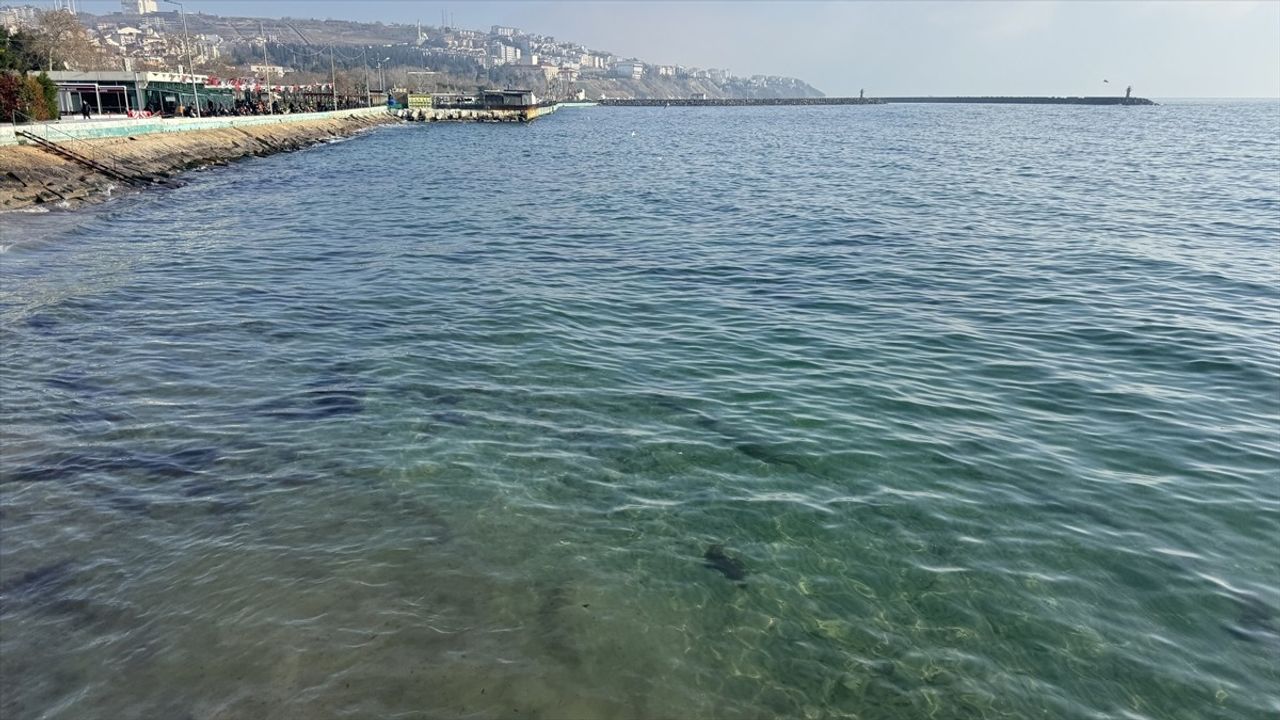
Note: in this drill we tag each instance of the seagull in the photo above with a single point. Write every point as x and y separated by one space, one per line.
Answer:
1105 81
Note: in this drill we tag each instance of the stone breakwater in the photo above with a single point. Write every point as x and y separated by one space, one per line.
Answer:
736 102
31 175
995 100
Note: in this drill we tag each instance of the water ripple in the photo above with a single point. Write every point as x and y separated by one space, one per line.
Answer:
982 401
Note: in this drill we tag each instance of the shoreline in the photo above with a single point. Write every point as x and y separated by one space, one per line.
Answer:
34 177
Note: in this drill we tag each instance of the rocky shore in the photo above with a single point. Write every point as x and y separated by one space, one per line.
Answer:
30 175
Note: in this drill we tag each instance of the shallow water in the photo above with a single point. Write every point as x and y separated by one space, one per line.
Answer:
440 422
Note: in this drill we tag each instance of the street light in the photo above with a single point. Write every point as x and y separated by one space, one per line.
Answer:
382 80
190 63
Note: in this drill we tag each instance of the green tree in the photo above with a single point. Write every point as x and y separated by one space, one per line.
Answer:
49 92
27 97
16 52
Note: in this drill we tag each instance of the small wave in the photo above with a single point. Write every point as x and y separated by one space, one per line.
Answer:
28 209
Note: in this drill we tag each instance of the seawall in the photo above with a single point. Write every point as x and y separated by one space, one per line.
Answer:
148 150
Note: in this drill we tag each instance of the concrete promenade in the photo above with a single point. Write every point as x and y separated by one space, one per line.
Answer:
59 132
86 161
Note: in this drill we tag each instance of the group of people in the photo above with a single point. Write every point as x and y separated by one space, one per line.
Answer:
260 107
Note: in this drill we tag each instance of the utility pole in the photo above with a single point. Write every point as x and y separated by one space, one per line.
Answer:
368 91
266 67
191 63
333 76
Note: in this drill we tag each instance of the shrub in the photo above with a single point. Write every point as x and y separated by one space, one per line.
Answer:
24 97
10 89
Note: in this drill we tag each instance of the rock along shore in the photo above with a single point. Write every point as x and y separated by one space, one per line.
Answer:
31 175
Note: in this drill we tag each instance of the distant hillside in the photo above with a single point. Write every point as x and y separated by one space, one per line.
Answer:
426 57
666 88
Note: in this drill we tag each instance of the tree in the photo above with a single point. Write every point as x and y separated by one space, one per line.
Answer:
16 51
60 42
25 97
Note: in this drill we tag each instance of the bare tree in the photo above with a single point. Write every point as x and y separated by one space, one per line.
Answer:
62 43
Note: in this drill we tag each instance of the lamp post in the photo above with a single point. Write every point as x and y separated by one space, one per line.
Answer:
368 90
190 63
382 79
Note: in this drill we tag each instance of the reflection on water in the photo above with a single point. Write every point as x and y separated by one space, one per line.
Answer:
882 412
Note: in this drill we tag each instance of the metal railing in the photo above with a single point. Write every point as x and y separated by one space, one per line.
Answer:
66 137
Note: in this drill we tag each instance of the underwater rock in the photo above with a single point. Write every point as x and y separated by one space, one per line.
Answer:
1255 621
38 581
727 565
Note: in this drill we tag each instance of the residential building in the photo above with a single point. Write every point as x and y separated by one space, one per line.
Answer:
502 31
504 54
128 36
628 69
17 18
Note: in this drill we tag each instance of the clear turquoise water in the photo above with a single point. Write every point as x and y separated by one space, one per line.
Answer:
440 421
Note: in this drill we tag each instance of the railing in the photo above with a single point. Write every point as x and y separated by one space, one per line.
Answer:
68 137
90 154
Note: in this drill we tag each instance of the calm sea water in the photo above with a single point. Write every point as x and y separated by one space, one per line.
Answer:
440 422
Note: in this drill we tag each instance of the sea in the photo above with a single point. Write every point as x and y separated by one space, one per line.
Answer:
881 412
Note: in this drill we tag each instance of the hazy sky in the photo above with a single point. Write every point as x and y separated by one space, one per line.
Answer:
1219 48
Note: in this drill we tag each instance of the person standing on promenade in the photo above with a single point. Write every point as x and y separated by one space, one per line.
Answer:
84 110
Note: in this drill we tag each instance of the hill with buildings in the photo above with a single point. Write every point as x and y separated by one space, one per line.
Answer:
371 57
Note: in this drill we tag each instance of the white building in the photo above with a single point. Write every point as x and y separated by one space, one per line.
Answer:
128 36
16 18
504 54
591 61
503 31
628 69
138 7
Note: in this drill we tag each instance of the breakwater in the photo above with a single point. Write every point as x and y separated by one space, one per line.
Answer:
738 102
1021 100
116 153
960 99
